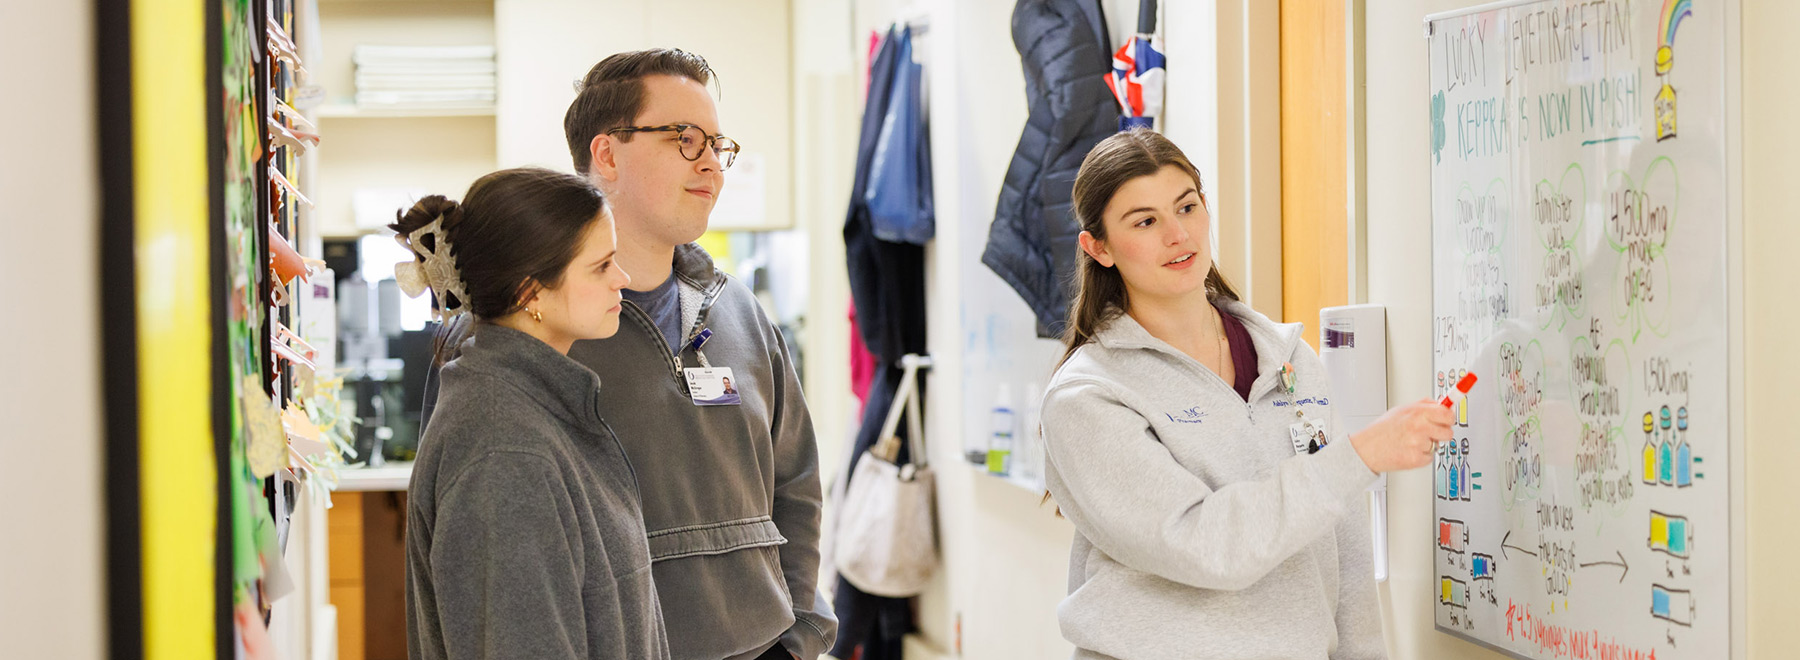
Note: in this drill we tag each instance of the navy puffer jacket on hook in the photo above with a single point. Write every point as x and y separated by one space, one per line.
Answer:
1064 47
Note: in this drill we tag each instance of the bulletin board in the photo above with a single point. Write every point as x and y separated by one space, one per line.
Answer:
1579 201
209 398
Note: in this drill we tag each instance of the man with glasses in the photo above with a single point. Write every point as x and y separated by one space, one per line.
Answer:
731 492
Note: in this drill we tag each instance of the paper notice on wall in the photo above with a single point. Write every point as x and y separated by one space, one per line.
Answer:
265 442
827 43
744 201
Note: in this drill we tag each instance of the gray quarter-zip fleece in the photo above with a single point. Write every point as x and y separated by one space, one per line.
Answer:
1199 531
731 496
731 493
524 537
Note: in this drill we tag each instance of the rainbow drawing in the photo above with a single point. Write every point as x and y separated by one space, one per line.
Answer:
1672 13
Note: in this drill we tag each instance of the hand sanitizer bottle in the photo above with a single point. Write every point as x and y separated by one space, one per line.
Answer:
1000 435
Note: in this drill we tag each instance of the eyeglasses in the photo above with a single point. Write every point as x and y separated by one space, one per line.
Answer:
692 141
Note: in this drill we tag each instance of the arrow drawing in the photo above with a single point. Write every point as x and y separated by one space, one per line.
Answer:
1504 546
1620 563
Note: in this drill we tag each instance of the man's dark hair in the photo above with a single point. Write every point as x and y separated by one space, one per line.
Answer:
612 94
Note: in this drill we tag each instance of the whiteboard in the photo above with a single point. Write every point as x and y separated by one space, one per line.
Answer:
1578 237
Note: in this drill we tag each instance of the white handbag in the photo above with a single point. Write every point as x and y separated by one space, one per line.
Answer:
886 541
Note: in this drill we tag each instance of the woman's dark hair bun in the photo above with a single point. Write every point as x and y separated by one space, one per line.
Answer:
424 211
513 232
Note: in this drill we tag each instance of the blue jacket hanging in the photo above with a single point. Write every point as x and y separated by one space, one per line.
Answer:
887 278
899 194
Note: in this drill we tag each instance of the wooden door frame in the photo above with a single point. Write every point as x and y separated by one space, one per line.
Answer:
1353 237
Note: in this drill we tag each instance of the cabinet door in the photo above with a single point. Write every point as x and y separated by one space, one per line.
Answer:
541 49
545 46
345 522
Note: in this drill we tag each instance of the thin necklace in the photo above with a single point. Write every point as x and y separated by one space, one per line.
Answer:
1219 349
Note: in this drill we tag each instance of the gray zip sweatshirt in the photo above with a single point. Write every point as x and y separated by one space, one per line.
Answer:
523 533
731 495
1200 533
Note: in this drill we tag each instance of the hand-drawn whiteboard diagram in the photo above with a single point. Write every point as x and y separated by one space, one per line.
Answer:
1578 200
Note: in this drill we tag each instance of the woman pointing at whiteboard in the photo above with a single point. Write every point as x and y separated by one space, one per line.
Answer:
1182 435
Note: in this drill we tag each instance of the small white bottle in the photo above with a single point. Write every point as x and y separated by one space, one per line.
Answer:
1002 423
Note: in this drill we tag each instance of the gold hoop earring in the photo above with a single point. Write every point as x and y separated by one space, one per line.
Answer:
535 315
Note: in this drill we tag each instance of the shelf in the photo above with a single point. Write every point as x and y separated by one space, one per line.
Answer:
338 233
348 111
1034 486
391 476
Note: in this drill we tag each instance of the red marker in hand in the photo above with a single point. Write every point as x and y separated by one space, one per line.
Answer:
1467 383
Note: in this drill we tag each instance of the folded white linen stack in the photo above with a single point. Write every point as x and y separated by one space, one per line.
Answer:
424 77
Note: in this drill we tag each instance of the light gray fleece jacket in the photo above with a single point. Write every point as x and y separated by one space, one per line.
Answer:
523 533
1199 532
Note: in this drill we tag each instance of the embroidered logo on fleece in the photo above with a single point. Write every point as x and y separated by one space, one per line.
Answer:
1189 416
1322 401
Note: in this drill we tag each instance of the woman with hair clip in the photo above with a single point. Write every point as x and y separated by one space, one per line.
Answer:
1181 437
525 537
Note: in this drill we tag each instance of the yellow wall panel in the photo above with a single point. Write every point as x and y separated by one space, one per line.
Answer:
179 482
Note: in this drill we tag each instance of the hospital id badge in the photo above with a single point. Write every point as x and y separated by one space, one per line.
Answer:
1308 436
711 386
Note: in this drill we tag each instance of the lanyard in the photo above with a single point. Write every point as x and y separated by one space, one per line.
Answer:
1289 381
1308 436
698 341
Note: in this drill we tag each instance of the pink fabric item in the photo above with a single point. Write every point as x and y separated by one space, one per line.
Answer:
869 62
862 362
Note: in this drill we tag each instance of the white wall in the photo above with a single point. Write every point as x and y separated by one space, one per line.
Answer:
1399 225
51 559
1770 142
1006 554
827 116
1223 110
545 46
1005 558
